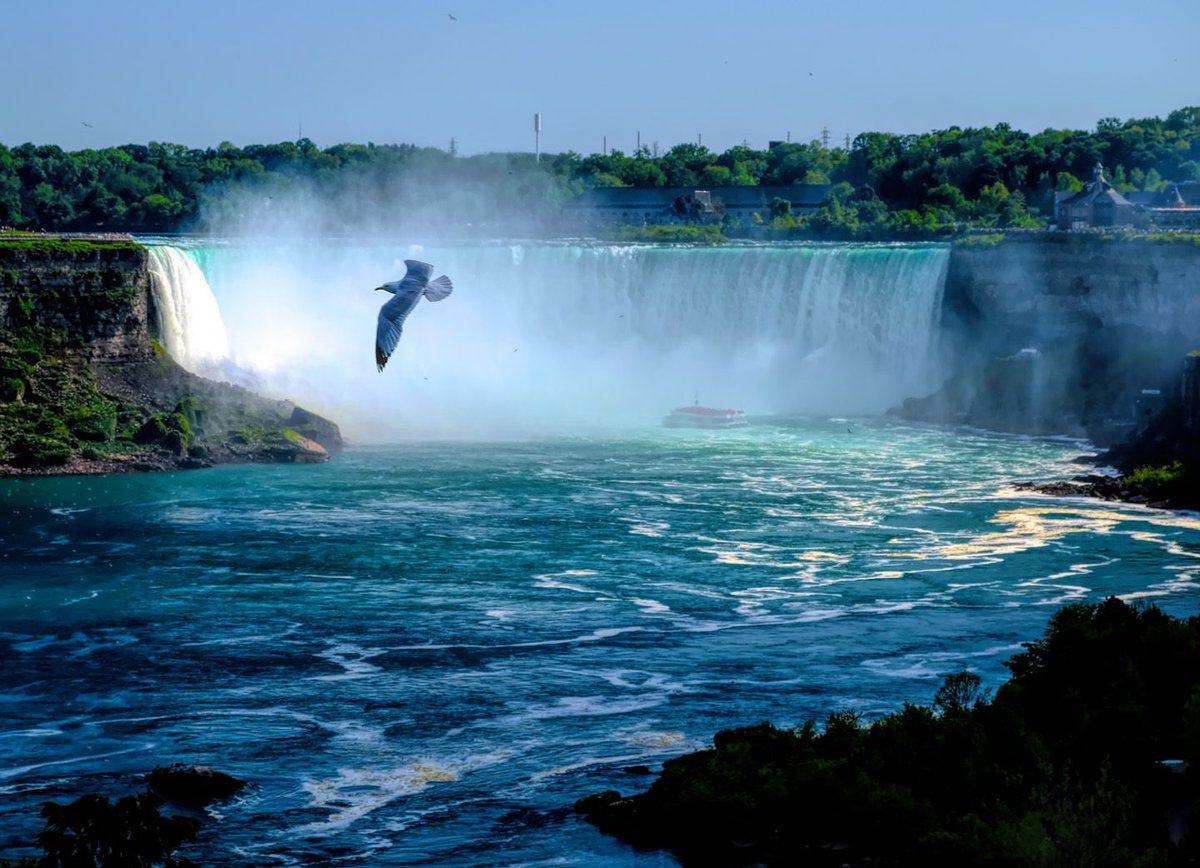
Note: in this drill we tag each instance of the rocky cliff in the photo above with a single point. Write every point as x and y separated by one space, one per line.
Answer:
1064 335
84 387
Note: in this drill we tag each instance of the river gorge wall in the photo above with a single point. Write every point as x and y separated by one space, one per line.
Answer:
1013 295
1064 335
85 387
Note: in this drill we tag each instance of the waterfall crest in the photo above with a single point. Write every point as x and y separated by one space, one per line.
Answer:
549 337
187 317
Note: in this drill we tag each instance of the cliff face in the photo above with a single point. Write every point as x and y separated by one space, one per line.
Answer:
97 293
1063 335
83 388
1028 294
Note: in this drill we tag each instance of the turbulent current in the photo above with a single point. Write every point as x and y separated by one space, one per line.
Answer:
424 651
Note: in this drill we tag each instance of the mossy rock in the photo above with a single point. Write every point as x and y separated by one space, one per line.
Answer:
94 422
192 412
152 431
50 424
250 435
11 366
178 423
32 450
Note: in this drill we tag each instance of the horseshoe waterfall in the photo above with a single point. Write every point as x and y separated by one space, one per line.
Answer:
547 337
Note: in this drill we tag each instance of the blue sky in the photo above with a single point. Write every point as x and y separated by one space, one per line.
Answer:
403 71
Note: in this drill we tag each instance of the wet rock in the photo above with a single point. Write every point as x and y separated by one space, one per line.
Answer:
597 802
192 786
318 428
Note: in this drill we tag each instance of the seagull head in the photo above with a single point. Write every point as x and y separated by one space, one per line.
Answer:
389 287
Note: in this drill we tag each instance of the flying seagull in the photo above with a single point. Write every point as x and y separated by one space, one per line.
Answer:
406 293
452 18
86 124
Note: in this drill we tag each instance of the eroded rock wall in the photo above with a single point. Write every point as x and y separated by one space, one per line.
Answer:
83 388
1016 294
97 293
1064 335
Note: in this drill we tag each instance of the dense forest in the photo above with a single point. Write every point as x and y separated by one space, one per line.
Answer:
885 184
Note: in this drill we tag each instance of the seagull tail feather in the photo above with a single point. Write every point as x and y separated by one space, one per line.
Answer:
439 288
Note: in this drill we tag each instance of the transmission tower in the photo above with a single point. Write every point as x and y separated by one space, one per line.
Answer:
825 137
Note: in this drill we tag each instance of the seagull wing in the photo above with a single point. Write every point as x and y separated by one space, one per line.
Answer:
391 322
439 289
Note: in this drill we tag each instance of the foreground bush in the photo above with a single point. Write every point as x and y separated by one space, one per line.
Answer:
1087 756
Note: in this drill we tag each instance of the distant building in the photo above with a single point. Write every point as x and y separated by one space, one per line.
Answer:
1096 205
1176 206
640 206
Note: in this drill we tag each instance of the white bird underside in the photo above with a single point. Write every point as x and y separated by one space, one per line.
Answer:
407 292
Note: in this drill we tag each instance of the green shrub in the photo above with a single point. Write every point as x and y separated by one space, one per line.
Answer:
12 389
982 241
95 421
153 430
33 450
689 234
1156 476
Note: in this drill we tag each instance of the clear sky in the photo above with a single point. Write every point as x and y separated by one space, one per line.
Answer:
252 71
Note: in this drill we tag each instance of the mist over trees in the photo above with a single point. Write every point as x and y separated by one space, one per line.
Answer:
885 184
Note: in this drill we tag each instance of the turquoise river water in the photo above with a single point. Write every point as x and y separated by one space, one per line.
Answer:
424 653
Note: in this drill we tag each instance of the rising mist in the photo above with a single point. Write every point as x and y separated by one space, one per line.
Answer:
560 338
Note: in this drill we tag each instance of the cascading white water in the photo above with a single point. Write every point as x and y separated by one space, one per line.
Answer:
551 337
189 320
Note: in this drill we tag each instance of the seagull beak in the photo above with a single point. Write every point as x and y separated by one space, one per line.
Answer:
379 288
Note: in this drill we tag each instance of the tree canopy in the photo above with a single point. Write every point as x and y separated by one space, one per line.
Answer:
886 184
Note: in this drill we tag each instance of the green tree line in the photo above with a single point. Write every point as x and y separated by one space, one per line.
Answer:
1085 757
884 185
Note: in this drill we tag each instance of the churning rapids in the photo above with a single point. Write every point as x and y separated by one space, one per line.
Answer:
425 650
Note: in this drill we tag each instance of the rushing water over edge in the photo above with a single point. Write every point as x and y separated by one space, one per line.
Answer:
188 319
544 338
